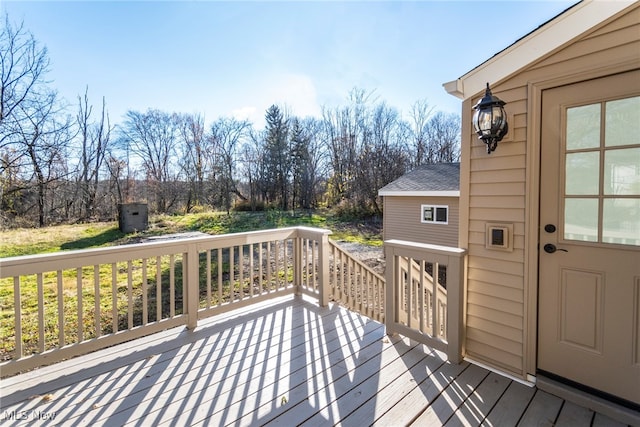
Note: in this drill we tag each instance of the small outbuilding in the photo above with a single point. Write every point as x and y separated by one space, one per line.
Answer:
423 205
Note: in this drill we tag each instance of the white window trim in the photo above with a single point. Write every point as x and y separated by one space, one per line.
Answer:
435 207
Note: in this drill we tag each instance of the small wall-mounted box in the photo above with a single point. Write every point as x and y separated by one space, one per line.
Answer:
499 236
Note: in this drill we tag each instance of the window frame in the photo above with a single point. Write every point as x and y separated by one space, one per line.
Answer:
435 208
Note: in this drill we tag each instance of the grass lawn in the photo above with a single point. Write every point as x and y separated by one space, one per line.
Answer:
81 236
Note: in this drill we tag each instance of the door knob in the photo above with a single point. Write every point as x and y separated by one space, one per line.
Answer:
551 248
550 228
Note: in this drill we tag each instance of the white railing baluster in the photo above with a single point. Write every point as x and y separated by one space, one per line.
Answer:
335 289
277 263
251 270
208 261
285 263
17 309
191 285
158 289
114 297
260 268
96 300
219 264
315 273
185 287
240 280
60 309
172 286
423 308
268 266
130 294
232 275
435 332
40 312
145 302
79 294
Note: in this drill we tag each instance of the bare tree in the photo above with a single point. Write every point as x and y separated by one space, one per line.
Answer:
308 160
347 131
23 64
193 160
383 157
94 144
42 137
420 113
225 137
251 163
153 138
443 136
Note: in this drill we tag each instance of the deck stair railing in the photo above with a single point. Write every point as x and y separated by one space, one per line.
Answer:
355 285
419 305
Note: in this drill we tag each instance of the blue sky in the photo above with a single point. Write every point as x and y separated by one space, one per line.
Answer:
237 58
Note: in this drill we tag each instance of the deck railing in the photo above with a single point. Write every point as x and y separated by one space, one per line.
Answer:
426 300
56 306
355 285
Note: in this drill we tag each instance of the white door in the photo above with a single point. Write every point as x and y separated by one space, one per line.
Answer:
589 289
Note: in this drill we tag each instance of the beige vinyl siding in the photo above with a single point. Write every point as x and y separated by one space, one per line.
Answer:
402 220
499 294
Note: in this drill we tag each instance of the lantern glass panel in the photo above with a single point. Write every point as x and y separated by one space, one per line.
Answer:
498 119
483 122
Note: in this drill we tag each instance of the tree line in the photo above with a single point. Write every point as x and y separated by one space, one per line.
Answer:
68 163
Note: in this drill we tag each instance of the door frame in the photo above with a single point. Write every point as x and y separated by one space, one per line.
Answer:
532 198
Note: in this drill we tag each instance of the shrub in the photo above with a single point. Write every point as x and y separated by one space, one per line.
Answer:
245 206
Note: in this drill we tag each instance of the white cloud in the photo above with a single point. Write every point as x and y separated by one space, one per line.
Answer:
297 93
246 113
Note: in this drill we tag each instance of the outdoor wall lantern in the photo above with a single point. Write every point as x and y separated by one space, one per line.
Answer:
490 120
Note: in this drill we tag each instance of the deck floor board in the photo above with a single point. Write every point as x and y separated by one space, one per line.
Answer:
283 363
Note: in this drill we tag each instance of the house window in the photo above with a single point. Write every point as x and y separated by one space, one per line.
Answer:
435 214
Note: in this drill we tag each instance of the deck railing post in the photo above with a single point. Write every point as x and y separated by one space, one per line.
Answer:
455 308
324 282
297 264
193 285
390 291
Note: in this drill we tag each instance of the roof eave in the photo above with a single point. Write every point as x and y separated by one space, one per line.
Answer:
562 29
451 193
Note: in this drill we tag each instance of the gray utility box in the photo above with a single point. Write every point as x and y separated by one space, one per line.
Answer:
133 217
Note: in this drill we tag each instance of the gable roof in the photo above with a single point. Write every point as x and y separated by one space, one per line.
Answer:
441 179
545 39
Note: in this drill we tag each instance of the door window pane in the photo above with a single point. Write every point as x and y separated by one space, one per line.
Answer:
582 173
622 172
621 221
622 122
581 219
583 127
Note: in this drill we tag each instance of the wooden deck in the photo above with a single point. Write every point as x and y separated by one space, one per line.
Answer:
285 363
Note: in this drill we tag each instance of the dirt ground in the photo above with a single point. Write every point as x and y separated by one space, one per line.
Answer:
372 256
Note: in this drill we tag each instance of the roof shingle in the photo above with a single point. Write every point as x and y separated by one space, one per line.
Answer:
426 178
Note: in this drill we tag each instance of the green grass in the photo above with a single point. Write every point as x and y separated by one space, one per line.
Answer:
29 241
82 236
